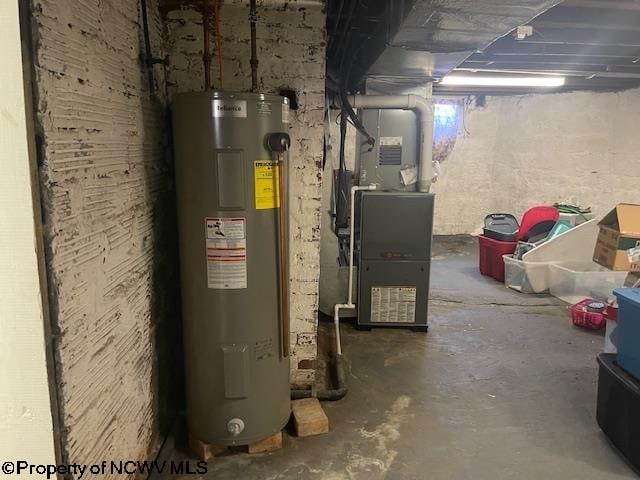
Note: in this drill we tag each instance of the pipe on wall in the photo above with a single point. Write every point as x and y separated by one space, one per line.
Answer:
423 108
253 18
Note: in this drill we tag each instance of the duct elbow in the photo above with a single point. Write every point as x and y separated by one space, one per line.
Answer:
421 106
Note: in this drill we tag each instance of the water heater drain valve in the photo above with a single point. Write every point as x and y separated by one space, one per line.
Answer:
235 426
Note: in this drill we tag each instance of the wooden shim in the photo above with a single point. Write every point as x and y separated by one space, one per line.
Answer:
269 444
309 418
204 451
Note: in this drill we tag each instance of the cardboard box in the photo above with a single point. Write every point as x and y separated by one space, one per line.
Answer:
618 244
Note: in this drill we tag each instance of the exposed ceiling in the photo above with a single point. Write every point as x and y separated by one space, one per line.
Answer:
403 44
595 44
399 45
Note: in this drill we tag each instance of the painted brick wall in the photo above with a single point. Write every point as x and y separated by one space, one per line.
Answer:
525 150
291 51
106 190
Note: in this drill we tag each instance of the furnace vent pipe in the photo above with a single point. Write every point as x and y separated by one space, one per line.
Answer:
423 108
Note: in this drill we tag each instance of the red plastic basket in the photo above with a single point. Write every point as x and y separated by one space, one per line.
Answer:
581 317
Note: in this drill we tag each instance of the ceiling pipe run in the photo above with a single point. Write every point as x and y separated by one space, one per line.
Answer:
423 108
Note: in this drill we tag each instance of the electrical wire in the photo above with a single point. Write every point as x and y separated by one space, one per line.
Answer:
335 26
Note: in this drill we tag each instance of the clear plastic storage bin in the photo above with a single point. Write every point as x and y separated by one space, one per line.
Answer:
575 281
525 277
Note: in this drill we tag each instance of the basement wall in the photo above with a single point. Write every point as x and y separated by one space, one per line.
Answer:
524 150
27 421
108 220
291 52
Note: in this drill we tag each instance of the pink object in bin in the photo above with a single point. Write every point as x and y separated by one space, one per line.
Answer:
581 317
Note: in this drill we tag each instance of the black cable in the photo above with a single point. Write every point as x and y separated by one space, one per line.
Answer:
346 28
356 121
334 30
341 199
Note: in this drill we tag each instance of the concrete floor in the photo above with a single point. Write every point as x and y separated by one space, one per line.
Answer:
502 387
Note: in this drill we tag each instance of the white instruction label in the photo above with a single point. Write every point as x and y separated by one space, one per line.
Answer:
226 253
393 304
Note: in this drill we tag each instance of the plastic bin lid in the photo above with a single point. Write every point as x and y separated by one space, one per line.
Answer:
535 215
631 294
501 222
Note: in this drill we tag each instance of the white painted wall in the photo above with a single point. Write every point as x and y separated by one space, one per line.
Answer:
526 150
26 426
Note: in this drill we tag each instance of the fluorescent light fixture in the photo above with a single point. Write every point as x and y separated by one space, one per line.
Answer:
481 81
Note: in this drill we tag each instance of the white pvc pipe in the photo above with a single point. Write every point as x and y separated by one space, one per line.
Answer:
339 306
423 108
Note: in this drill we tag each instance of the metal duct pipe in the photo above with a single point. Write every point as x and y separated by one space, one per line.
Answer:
423 108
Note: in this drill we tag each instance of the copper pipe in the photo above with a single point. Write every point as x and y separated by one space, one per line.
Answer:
283 249
206 55
216 12
253 16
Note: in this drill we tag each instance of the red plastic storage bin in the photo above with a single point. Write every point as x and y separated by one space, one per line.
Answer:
491 252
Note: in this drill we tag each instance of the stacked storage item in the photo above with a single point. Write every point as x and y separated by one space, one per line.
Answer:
618 410
629 329
491 253
501 226
531 274
575 245
502 234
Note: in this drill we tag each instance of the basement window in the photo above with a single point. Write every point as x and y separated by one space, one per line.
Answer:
446 120
446 127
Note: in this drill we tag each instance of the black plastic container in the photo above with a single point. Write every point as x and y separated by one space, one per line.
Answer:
618 410
501 226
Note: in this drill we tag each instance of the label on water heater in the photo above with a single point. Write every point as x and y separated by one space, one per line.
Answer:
229 108
226 252
266 184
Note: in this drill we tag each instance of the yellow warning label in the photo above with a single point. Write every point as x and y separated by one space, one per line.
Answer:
266 183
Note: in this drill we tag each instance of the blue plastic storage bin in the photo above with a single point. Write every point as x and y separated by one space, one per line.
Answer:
629 329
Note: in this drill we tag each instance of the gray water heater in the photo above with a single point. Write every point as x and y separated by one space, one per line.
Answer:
235 336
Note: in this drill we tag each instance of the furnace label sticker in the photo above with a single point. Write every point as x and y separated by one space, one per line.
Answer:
391 141
266 184
393 304
226 253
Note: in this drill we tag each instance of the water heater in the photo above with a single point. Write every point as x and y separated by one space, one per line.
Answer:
235 333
